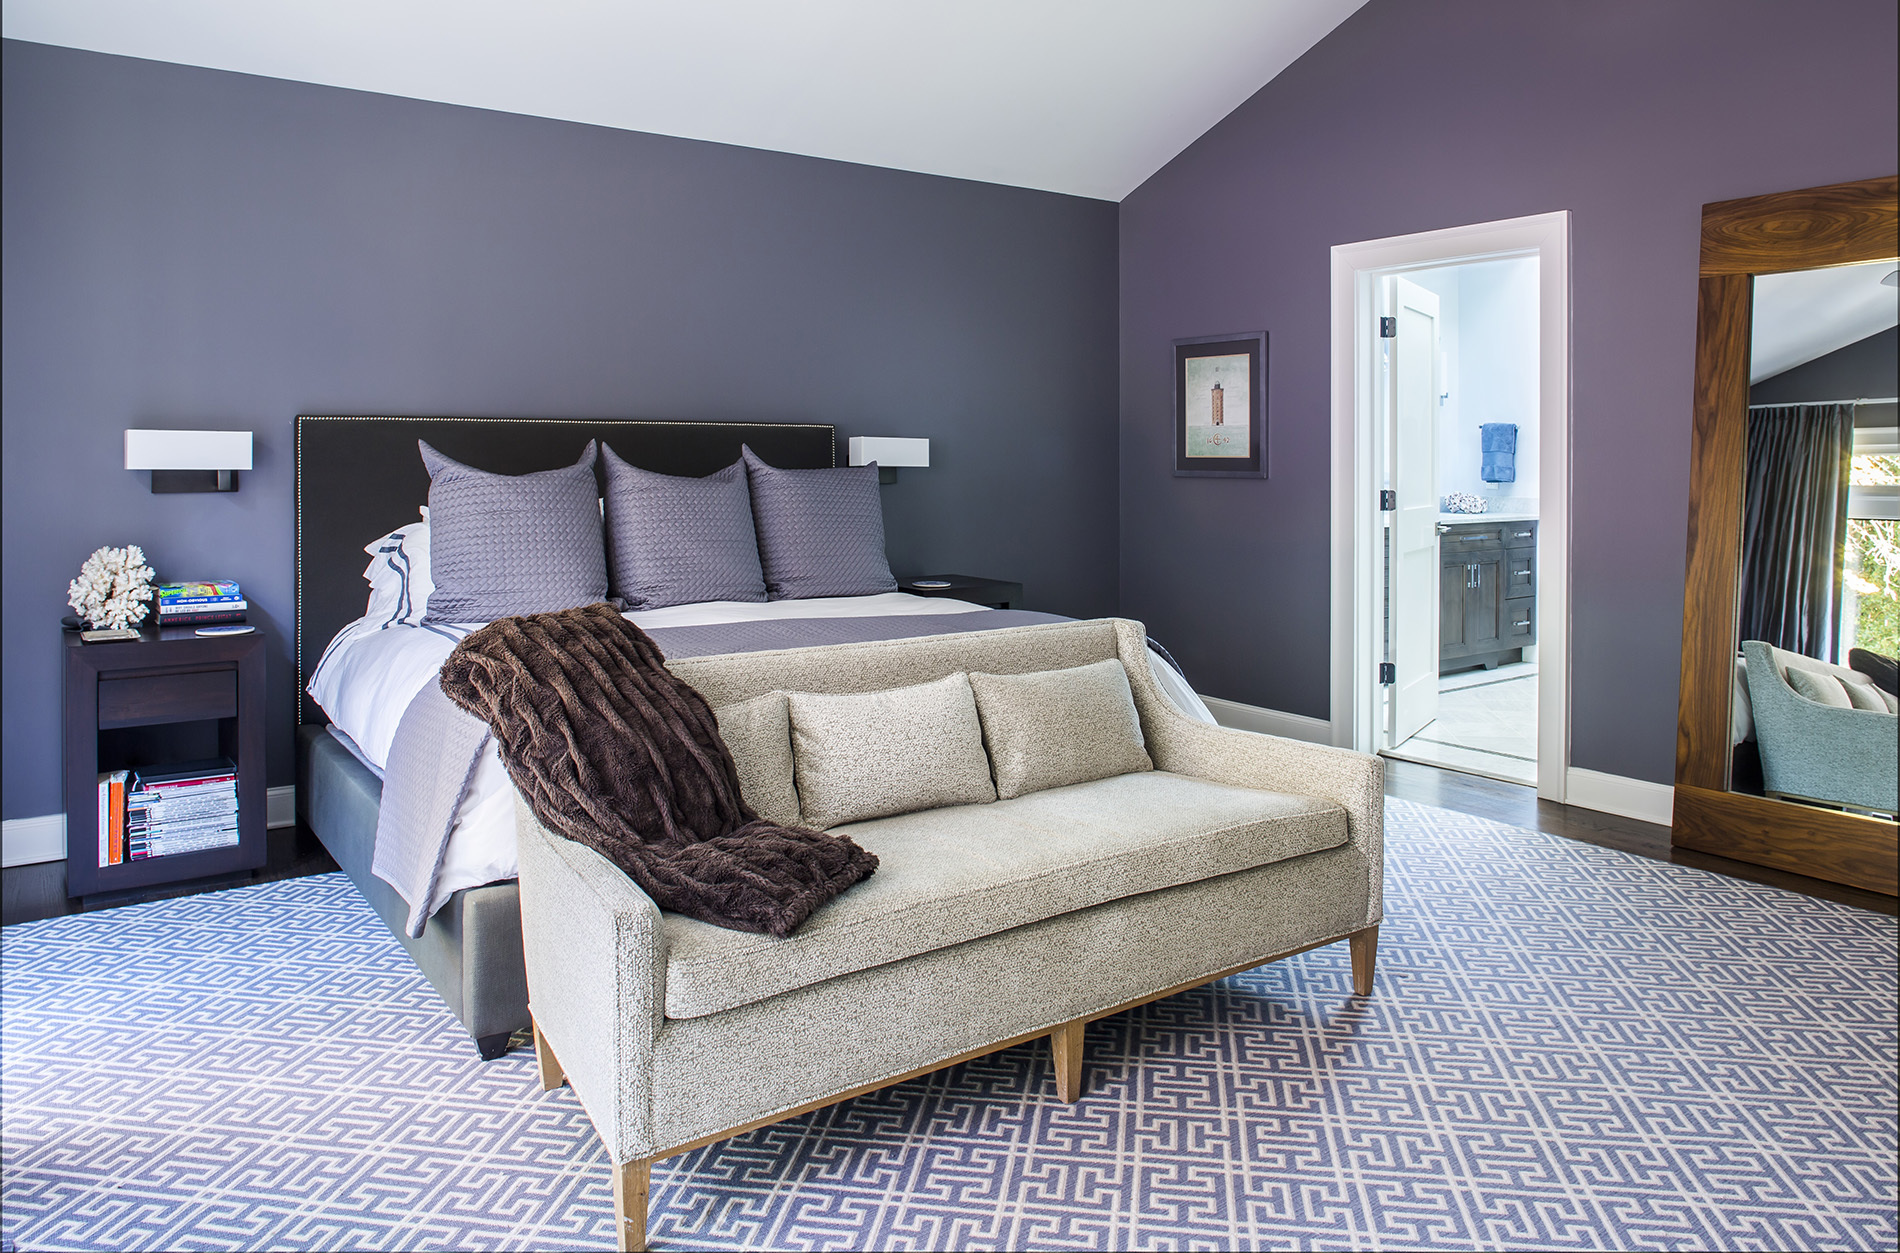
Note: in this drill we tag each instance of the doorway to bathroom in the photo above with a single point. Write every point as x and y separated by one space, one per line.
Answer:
1457 357
1451 450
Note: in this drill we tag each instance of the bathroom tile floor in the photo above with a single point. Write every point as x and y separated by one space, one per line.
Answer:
1486 724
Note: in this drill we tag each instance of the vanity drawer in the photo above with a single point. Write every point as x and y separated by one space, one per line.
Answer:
1520 535
1519 625
1462 539
149 699
1520 574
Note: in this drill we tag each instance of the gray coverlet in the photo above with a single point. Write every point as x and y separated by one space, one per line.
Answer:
438 745
431 761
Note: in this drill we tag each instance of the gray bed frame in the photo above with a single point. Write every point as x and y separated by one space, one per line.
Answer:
359 477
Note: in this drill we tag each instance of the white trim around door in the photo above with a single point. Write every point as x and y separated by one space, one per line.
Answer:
1355 271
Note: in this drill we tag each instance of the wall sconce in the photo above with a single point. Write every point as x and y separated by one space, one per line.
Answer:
189 461
889 453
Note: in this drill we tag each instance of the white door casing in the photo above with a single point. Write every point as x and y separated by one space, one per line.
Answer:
1356 269
1411 393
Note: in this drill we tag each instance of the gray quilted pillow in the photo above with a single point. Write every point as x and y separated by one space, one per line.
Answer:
1057 727
505 544
821 532
675 541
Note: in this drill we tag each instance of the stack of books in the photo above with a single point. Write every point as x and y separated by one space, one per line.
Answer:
184 808
112 816
199 604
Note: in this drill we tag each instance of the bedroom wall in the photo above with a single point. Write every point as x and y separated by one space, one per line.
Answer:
187 247
1631 115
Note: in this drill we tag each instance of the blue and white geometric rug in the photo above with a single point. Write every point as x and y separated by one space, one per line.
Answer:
1569 1047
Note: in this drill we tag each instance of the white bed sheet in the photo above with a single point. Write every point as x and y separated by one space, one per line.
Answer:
368 676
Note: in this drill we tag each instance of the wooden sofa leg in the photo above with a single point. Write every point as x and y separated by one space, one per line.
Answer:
630 1204
1065 1042
552 1076
1365 952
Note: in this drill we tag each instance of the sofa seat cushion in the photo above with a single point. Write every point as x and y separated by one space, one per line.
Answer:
954 874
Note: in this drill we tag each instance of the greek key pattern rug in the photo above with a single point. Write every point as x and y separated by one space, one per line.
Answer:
1569 1047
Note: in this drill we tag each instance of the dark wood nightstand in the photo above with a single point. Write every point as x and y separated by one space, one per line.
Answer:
996 593
170 696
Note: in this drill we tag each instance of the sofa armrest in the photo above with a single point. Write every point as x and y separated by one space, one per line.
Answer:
1354 781
596 963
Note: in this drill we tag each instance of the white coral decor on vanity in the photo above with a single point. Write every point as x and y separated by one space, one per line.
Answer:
112 587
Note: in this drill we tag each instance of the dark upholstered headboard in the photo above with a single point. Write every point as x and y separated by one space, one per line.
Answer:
361 477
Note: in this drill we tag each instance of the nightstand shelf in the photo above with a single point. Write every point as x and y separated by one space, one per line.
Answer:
170 696
996 593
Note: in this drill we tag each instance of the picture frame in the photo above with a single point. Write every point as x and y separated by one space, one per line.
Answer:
1220 406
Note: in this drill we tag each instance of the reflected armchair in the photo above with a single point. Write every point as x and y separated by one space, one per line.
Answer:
1821 752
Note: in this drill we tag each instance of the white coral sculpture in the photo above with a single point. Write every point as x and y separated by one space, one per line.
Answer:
112 587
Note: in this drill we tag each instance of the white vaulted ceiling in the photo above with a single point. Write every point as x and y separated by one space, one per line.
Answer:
1087 97
1810 313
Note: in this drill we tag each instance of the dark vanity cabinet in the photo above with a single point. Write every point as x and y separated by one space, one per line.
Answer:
1487 589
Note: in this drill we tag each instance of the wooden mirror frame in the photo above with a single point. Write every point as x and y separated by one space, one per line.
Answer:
1819 227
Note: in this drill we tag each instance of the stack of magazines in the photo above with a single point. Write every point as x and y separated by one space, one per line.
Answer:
199 604
184 808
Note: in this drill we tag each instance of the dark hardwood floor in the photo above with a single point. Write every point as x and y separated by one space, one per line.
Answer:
32 892
1519 805
29 893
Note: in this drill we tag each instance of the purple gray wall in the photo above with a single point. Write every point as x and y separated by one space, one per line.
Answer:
186 247
1413 116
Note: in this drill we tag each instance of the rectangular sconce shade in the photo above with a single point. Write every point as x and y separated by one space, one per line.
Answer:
187 450
889 452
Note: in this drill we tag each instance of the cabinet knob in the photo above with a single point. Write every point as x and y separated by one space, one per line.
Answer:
1524 623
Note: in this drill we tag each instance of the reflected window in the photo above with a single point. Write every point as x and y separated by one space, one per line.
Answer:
1870 567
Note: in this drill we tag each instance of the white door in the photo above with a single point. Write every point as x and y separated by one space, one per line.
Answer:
1412 444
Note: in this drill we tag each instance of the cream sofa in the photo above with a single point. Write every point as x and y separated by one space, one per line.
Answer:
986 925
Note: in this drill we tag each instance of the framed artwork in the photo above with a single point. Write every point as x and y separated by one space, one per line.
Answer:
1220 406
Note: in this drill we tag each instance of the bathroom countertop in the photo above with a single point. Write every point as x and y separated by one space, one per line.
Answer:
1459 519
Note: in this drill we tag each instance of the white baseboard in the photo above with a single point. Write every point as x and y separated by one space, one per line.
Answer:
1614 794
27 841
1232 713
280 807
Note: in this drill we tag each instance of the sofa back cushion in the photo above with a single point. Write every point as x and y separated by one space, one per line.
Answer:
1052 728
870 754
758 734
1823 689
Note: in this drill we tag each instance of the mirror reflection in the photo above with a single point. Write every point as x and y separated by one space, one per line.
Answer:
1815 708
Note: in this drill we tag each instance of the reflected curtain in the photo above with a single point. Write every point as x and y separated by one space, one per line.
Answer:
1794 526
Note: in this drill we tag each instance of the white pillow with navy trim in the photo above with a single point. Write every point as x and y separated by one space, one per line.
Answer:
398 574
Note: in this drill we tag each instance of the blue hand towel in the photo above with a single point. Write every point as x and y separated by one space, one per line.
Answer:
1500 452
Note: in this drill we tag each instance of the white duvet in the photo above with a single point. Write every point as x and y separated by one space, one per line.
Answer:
367 678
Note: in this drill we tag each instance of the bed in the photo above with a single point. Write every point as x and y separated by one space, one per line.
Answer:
358 478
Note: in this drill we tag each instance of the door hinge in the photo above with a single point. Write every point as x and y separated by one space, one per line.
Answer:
1388 500
1388 328
1388 674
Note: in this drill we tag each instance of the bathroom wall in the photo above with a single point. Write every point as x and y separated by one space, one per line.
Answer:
1488 342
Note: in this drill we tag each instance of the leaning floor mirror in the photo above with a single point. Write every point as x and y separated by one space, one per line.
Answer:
1786 745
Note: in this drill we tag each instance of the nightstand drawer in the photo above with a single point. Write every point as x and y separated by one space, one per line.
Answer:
149 699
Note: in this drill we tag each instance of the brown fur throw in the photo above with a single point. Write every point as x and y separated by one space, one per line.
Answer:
613 751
